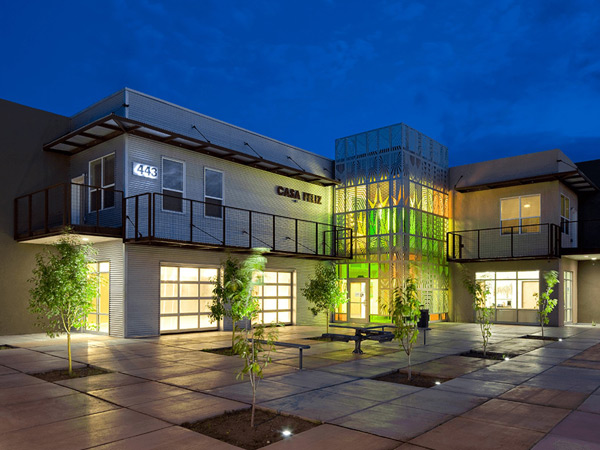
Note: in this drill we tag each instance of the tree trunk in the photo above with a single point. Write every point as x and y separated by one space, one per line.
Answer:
69 351
409 369
253 405
327 322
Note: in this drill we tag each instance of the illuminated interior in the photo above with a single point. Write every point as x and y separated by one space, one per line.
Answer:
394 195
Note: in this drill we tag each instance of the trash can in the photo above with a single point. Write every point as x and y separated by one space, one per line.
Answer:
424 320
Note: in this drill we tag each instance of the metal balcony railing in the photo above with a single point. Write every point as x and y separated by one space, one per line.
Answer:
85 209
504 243
580 236
154 217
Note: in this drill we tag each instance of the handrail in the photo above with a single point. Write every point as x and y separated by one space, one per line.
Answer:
66 184
503 228
234 207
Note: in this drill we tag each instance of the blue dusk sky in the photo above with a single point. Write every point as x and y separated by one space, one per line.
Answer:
486 78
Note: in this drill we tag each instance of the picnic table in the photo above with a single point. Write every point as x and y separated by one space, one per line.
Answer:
367 333
361 333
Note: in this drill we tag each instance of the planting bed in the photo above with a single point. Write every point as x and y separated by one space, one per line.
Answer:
417 380
63 374
234 427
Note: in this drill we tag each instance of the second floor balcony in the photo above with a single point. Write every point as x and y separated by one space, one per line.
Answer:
538 241
155 218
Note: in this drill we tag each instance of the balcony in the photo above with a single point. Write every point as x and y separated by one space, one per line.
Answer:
580 237
538 241
88 210
153 218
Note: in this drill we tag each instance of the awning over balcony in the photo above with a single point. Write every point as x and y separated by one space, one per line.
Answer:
112 126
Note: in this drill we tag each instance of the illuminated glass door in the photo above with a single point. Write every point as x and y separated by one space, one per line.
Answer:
98 319
568 280
359 308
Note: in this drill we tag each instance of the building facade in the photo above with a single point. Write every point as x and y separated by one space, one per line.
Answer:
165 194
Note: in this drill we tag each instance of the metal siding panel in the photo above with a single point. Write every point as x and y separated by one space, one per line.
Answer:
143 279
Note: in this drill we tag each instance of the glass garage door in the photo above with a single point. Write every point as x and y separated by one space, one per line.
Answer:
185 294
275 295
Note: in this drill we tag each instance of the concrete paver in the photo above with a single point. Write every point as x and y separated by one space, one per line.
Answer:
446 402
581 426
133 394
173 437
475 387
372 390
331 437
546 397
103 381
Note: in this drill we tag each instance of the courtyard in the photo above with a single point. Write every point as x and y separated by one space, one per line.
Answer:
546 397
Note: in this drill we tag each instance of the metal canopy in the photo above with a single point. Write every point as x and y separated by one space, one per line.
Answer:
574 179
112 126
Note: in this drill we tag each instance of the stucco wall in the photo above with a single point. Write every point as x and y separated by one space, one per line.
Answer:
25 168
588 294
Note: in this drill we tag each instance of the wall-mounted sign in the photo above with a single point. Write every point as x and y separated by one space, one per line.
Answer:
298 195
144 170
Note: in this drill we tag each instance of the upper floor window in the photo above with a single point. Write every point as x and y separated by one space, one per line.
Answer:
565 213
173 173
213 193
102 182
520 214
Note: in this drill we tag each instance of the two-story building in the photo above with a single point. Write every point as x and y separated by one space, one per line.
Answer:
161 192
516 218
165 193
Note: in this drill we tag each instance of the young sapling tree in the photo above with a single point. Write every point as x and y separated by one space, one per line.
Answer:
64 288
480 291
324 292
405 310
544 302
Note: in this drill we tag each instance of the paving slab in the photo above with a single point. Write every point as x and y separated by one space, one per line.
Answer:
363 369
545 397
188 407
393 421
203 381
591 405
515 414
7 370
168 438
141 362
318 405
32 392
18 380
158 373
133 394
267 390
308 362
331 437
465 434
446 402
380 391
48 410
579 425
82 432
561 382
554 442
313 379
478 388
103 381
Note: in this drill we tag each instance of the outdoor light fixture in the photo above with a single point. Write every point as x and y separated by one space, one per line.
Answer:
286 433
560 340
506 358
85 239
437 382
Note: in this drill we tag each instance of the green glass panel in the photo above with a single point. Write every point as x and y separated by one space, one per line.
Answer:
374 270
379 319
372 225
358 270
413 222
384 244
342 270
361 223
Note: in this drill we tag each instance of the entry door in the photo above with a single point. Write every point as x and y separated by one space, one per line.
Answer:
77 200
568 280
359 306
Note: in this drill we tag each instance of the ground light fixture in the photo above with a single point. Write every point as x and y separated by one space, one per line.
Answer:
286 433
506 358
560 340
437 383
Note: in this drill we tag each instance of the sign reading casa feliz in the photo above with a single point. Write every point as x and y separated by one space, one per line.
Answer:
298 195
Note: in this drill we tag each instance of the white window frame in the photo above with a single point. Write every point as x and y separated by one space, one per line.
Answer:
162 188
93 189
215 198
565 220
520 218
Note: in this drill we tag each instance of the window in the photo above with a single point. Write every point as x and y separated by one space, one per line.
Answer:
565 213
511 290
275 297
185 296
102 182
173 173
213 193
520 214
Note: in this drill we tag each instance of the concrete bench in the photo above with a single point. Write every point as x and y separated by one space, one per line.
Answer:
300 348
